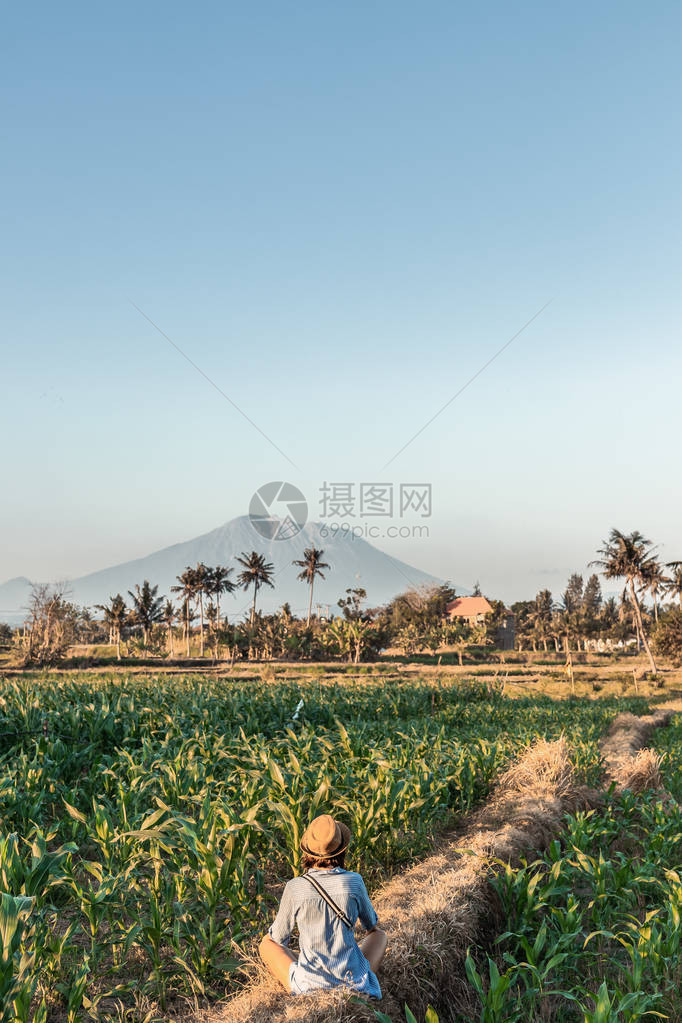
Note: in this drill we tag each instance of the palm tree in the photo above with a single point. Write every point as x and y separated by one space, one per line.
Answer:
312 565
116 617
628 556
187 590
257 572
213 619
627 617
608 616
147 608
202 581
674 584
655 581
168 617
572 610
188 615
541 615
220 583
557 628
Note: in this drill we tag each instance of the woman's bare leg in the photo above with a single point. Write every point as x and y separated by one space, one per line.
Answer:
278 959
373 947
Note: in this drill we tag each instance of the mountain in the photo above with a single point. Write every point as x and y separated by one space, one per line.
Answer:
353 562
14 596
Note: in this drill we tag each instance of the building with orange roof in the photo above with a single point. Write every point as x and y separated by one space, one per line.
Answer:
475 610
472 610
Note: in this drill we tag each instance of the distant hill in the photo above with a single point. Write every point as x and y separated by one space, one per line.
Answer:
13 598
353 562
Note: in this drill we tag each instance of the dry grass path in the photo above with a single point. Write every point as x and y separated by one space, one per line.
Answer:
437 908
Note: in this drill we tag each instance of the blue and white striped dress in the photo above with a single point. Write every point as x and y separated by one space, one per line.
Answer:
329 956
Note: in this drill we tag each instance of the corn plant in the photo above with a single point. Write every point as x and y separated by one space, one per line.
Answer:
17 979
593 924
143 814
430 1017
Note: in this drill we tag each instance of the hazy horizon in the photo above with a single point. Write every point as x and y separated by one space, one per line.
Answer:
340 216
461 585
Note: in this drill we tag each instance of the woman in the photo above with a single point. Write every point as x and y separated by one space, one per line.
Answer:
325 903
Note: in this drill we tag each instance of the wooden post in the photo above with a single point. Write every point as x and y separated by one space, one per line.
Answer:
569 666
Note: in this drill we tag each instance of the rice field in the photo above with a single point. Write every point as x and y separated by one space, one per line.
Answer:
147 822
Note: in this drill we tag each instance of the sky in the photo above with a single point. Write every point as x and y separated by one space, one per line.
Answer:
340 214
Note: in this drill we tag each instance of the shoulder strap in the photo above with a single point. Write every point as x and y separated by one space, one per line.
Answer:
328 899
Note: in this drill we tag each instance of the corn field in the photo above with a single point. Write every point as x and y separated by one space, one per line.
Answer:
148 822
594 927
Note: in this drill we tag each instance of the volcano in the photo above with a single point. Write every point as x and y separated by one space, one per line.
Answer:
353 562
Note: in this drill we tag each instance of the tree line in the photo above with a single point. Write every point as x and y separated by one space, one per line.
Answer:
54 623
413 622
583 615
194 586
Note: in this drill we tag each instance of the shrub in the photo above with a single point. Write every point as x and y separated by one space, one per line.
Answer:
667 636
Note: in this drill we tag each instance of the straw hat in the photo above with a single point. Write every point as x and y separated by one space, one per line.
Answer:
325 837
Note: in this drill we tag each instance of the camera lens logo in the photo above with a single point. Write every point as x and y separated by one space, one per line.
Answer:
278 511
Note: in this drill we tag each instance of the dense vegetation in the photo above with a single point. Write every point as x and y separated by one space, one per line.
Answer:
145 820
594 929
144 623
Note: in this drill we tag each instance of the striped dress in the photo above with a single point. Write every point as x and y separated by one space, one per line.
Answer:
329 956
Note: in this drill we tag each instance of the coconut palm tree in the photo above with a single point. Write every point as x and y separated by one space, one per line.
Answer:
312 565
220 583
655 581
168 617
674 584
202 585
608 615
285 611
188 617
628 556
541 616
213 619
147 608
557 628
116 617
627 617
257 572
187 589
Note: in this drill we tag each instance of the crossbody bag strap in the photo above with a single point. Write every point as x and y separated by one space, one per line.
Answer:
328 899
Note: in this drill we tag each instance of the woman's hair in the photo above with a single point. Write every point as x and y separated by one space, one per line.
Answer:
308 861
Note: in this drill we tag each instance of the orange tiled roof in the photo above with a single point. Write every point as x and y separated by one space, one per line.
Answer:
467 607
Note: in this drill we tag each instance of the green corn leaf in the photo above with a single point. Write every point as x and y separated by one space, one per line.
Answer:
74 813
473 975
14 909
598 934
603 1004
276 774
250 815
151 820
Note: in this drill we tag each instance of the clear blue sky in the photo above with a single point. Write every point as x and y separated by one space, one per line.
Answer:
340 212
